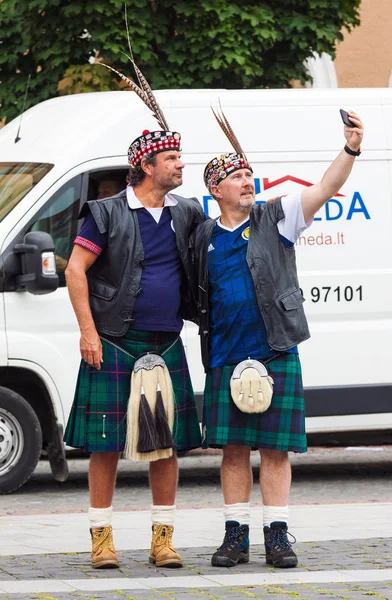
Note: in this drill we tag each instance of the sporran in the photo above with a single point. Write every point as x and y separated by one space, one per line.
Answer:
251 387
150 414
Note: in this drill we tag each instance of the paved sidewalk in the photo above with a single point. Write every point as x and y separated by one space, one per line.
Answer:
344 551
50 533
351 568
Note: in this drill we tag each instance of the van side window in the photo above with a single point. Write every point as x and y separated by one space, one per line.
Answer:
59 217
103 184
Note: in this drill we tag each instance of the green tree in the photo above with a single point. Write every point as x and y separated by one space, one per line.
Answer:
177 44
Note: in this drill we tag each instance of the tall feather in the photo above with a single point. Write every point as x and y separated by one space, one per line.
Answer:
131 83
154 106
227 130
143 90
158 114
222 125
234 137
129 40
148 99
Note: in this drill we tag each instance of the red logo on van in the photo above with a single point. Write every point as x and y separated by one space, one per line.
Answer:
269 184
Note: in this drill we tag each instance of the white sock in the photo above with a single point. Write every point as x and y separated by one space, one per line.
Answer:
275 513
100 517
163 515
239 512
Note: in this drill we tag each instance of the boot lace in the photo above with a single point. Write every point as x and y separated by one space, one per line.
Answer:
279 538
102 539
165 536
231 538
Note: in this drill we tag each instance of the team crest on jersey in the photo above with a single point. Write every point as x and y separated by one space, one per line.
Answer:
246 233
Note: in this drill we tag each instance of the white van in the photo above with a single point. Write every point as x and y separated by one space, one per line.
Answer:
65 146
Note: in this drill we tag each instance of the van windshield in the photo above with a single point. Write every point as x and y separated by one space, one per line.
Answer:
16 180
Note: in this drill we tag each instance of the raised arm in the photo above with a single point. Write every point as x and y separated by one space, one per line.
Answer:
314 197
90 344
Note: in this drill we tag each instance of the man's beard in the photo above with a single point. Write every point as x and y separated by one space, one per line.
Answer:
170 183
176 181
245 206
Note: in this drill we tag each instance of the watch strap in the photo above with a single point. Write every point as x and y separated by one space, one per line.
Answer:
352 152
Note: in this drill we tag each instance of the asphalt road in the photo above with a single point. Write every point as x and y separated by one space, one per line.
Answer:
323 475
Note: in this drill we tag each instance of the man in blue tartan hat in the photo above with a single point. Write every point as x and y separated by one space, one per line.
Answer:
251 313
128 278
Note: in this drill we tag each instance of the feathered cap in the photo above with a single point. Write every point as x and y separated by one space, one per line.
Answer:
148 142
151 142
223 165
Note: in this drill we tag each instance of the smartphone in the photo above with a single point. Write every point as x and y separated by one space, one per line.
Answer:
345 119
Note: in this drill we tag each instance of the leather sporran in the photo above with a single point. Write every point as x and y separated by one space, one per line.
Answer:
251 387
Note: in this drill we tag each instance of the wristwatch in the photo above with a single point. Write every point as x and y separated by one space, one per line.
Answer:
352 152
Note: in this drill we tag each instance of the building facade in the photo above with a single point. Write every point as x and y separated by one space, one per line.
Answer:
364 58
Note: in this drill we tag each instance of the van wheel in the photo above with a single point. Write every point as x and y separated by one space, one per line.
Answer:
20 440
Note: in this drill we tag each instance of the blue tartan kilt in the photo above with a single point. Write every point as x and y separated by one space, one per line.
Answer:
97 421
280 427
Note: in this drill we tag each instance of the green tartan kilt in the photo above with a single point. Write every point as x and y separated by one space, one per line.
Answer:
97 422
280 427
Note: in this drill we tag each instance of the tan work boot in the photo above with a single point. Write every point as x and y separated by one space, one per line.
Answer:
103 555
162 552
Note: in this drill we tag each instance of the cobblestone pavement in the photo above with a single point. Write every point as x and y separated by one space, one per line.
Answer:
363 556
344 569
342 591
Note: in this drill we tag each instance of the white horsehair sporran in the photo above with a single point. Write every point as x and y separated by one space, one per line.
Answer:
251 387
150 414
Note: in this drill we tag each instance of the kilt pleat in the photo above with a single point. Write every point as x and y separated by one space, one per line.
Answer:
97 421
280 427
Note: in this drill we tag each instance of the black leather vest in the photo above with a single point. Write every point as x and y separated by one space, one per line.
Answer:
274 273
114 278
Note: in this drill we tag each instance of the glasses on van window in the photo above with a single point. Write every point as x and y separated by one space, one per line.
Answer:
16 180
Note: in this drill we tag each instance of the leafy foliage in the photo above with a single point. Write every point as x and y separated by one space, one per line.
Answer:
176 43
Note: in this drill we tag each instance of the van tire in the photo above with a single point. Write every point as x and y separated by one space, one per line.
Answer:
20 440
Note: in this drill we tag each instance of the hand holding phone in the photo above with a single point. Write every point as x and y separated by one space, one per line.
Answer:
345 118
353 132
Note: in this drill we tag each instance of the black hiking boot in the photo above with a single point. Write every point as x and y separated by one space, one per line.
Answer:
235 546
278 550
